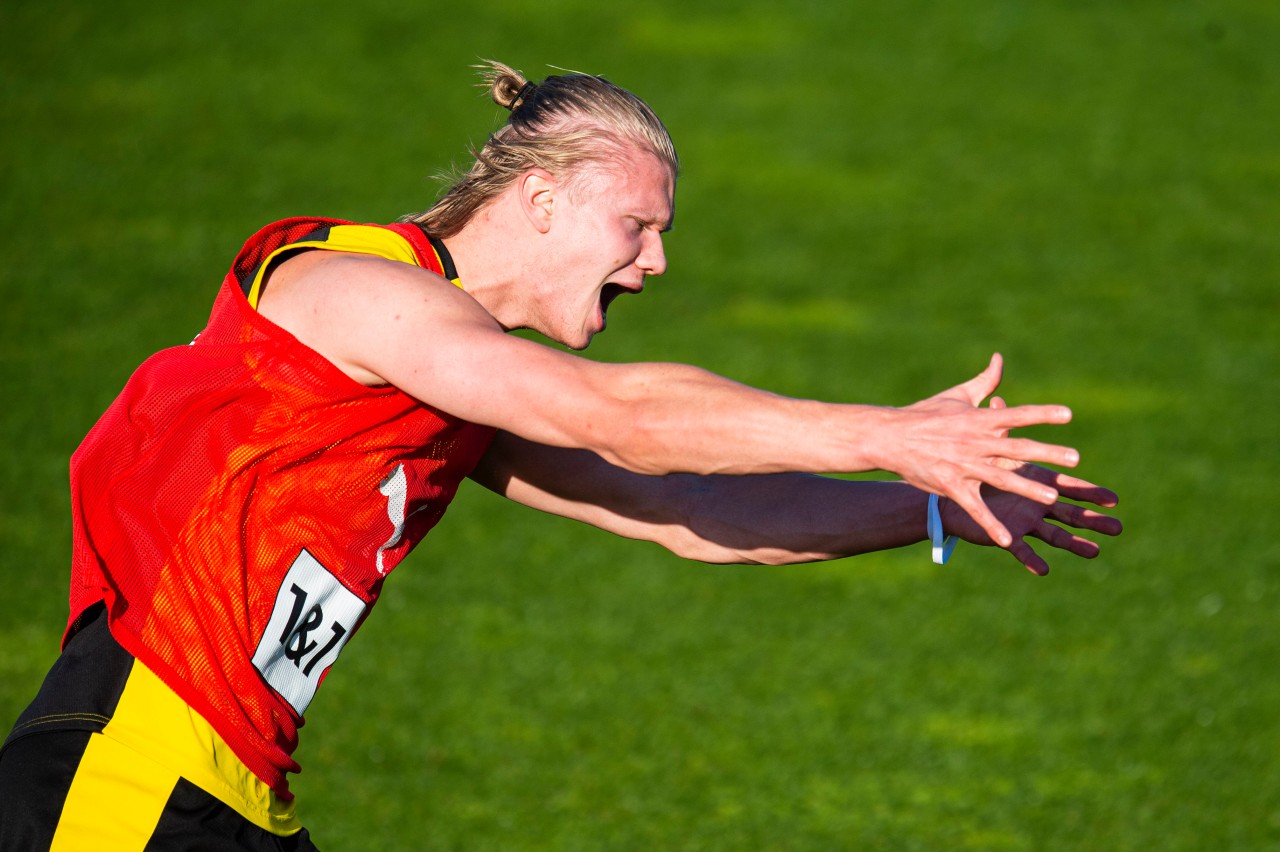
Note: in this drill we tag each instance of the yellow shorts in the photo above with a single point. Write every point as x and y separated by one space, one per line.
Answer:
109 758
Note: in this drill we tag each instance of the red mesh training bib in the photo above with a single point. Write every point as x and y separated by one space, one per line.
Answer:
241 502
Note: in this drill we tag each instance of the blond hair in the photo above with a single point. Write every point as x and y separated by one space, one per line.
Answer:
559 125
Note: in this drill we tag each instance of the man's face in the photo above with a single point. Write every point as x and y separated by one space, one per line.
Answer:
608 238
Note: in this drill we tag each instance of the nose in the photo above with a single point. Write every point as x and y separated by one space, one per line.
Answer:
653 258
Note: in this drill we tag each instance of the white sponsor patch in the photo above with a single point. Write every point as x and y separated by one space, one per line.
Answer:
396 489
313 618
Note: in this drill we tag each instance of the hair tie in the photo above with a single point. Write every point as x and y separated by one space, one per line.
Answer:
525 91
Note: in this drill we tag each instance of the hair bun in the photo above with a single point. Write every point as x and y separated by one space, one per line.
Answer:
507 86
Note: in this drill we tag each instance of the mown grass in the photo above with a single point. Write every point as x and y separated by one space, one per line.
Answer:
874 198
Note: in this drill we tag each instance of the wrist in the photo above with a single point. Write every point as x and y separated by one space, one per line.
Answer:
946 512
879 437
942 543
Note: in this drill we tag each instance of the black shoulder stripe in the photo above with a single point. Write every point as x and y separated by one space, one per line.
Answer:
319 235
446 260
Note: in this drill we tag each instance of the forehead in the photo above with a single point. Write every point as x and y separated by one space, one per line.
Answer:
635 181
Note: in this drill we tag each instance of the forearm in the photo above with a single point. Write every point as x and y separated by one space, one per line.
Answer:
673 418
790 518
778 518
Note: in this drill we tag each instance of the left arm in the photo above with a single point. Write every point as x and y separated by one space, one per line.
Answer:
770 518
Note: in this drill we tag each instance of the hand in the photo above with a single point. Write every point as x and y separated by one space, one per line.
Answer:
949 446
1023 517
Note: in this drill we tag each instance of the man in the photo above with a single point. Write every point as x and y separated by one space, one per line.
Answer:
238 507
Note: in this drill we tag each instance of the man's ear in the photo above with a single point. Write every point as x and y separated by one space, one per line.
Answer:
538 191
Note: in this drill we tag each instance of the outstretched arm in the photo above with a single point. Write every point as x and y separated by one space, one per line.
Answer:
775 518
386 322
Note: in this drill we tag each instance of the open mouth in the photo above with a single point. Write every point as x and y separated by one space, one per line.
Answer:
608 293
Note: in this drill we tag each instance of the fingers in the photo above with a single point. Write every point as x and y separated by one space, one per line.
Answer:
1064 540
1027 450
984 384
1056 537
1029 558
1078 489
1030 415
1069 487
1012 482
972 504
1085 519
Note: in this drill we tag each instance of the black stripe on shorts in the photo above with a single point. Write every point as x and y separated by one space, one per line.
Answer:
42 755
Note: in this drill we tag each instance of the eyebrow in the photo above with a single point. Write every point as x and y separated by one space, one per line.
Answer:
650 221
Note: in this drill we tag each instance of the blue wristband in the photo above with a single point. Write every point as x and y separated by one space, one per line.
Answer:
942 545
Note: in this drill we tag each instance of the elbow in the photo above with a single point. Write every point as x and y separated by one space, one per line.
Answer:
636 423
630 436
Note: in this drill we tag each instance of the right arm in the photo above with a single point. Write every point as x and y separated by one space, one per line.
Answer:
411 329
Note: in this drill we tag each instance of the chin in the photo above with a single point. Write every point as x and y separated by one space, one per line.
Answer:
577 344
584 339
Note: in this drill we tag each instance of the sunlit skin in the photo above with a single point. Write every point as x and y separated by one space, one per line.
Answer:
606 244
600 442
588 241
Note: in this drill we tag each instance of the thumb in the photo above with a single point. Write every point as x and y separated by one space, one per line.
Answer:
984 384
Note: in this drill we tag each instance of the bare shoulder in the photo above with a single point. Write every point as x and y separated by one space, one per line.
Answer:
303 284
387 323
343 305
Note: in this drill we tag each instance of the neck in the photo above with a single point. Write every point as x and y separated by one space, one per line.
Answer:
492 270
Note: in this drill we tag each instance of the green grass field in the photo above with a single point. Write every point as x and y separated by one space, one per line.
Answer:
874 198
